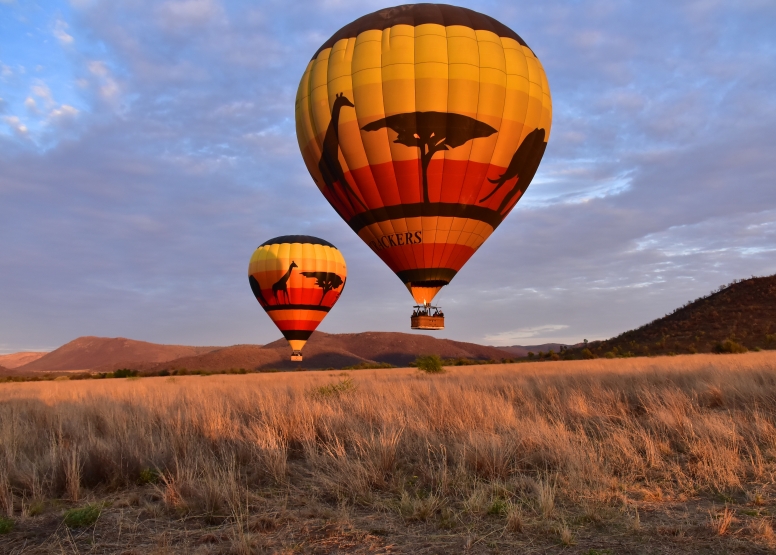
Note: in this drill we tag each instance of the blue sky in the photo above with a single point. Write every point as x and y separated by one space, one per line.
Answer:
146 148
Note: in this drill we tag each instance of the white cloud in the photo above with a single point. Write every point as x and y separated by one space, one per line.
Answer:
519 335
63 111
15 123
30 104
42 91
5 71
108 88
60 32
98 68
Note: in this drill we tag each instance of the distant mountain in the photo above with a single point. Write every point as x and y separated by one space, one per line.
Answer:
397 348
523 350
325 350
256 357
99 354
743 311
15 360
86 353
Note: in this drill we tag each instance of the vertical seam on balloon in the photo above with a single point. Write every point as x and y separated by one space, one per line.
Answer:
330 265
389 222
369 162
501 122
466 170
311 110
444 154
347 202
526 130
414 262
523 133
357 189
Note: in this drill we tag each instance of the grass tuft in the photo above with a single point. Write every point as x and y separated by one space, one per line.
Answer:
720 522
83 516
334 389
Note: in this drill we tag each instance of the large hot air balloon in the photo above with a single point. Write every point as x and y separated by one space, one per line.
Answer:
297 279
423 126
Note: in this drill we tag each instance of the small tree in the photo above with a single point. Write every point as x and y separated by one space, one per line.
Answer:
431 364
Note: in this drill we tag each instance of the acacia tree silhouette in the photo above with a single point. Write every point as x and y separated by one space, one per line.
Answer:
325 280
432 132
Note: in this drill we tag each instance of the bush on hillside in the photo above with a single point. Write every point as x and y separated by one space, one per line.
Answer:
728 346
431 364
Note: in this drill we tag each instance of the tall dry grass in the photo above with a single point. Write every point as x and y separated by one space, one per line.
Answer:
543 441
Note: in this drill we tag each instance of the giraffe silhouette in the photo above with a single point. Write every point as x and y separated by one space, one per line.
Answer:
523 165
280 285
329 165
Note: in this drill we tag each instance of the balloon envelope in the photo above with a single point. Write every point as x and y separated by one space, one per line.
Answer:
297 279
423 126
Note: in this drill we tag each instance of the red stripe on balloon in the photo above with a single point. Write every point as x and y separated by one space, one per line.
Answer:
429 255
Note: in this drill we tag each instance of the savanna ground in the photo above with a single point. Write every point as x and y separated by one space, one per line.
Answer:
652 455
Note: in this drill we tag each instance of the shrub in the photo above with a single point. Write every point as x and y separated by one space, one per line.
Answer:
85 516
728 346
6 525
431 364
149 476
587 353
334 389
124 373
499 507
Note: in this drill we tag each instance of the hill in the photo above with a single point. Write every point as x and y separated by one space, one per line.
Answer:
256 357
397 348
743 312
86 353
15 360
325 350
99 354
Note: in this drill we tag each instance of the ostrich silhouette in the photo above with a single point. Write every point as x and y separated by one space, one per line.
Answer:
280 285
329 165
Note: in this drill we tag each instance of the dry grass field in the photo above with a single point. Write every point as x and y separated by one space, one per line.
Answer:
650 455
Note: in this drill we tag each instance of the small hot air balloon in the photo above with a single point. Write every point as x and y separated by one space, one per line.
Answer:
297 279
423 125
